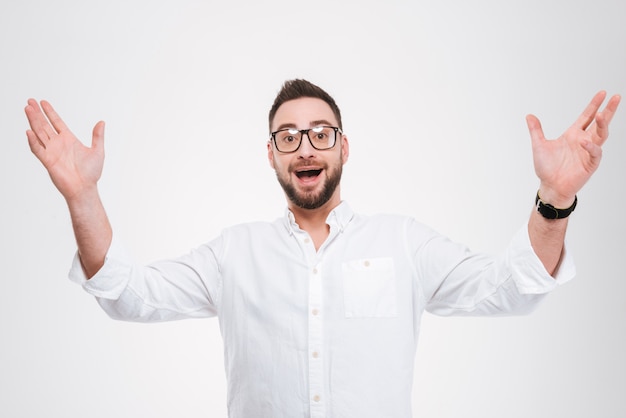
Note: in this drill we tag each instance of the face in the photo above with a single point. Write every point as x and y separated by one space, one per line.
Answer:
309 177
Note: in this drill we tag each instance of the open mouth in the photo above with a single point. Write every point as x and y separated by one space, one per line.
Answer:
308 174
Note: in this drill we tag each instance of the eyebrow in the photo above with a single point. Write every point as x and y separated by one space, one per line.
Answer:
311 123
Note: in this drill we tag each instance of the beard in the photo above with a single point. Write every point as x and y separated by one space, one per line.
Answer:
313 199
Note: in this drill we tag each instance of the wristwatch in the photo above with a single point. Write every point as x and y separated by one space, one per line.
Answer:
550 212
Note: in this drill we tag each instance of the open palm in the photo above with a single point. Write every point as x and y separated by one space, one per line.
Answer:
565 164
72 166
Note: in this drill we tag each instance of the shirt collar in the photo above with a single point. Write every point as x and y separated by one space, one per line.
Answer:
339 217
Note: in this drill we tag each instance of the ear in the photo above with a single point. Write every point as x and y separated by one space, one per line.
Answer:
345 149
270 154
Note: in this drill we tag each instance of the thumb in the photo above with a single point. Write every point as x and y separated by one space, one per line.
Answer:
97 138
536 132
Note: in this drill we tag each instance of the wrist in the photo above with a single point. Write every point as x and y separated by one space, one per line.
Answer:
550 211
85 197
554 198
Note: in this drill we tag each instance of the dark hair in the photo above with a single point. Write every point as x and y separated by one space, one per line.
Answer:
295 89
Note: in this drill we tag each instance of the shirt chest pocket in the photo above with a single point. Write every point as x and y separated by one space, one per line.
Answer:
369 287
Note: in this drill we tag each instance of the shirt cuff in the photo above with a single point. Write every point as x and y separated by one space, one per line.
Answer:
529 274
111 280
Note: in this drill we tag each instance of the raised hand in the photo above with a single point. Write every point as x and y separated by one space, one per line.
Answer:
75 170
564 165
73 167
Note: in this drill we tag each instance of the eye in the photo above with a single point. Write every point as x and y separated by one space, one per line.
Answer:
287 136
319 134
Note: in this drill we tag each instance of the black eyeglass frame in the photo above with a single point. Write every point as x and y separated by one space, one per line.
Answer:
303 132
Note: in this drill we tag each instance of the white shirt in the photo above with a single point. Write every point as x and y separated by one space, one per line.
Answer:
327 333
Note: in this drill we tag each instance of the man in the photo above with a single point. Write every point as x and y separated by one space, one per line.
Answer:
320 310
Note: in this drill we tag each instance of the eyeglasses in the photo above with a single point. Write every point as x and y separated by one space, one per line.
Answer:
289 140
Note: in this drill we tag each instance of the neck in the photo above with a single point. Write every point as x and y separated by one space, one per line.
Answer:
313 221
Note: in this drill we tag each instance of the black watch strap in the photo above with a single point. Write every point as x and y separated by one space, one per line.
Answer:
550 212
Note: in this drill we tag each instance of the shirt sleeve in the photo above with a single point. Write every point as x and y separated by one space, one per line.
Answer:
457 281
185 287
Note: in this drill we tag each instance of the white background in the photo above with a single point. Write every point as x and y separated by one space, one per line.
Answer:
433 95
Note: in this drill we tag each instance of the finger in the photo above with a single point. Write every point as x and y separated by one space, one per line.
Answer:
536 132
32 113
611 107
603 119
53 117
38 122
588 115
602 129
36 146
595 153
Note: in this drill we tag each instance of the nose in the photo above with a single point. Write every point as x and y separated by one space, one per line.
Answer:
306 150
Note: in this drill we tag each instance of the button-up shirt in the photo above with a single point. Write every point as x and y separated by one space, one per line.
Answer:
329 332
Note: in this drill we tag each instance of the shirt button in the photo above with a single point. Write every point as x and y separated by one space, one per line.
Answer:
315 354
315 312
366 263
314 271
317 398
306 240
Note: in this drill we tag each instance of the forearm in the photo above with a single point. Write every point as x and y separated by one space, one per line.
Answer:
91 228
547 236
